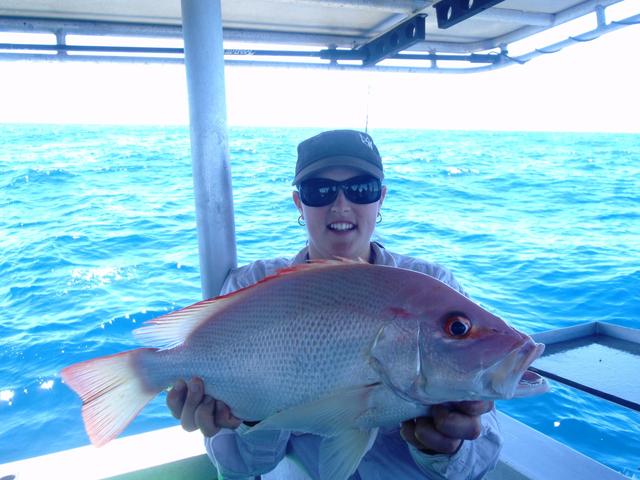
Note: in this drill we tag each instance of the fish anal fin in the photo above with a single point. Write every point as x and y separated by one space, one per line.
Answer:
340 455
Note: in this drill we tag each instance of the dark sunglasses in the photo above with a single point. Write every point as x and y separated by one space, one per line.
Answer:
319 192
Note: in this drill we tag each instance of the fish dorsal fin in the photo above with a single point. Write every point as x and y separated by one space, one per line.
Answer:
170 330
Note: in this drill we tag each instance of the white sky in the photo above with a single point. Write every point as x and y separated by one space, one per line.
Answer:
586 87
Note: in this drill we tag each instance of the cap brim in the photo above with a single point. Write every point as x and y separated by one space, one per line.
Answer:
340 161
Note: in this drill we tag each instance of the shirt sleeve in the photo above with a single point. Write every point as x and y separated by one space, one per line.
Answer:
239 455
385 257
440 273
253 272
472 461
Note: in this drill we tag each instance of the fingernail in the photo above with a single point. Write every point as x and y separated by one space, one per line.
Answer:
179 386
195 386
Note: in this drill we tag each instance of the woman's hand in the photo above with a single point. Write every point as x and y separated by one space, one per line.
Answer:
447 425
195 410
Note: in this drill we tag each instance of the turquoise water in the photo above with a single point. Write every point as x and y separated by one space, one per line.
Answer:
97 235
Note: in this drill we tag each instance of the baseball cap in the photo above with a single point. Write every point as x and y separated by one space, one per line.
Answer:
338 148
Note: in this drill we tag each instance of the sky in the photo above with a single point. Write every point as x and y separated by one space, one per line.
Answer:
592 86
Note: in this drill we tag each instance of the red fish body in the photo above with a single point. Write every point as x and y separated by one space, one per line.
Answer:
332 348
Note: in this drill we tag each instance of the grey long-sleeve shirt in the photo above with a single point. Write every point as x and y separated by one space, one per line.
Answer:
239 457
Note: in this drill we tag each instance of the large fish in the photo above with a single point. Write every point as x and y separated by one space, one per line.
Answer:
332 348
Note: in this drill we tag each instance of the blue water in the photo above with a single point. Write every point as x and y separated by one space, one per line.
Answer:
97 235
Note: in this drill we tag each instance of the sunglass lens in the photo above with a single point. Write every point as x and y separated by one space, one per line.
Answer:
318 192
363 190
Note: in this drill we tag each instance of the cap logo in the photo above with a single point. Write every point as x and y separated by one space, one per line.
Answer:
367 141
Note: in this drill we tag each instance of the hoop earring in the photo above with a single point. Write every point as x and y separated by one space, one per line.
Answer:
379 218
301 221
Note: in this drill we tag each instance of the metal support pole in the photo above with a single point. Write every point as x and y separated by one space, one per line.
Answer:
601 16
61 39
204 61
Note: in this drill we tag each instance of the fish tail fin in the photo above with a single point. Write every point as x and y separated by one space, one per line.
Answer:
112 392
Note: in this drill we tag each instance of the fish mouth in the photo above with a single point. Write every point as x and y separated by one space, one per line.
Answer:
530 384
512 379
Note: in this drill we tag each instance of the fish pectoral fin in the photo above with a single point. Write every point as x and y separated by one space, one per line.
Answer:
328 416
340 455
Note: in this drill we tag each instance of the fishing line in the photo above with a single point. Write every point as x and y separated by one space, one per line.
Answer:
366 118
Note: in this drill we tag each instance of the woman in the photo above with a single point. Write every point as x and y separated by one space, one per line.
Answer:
339 195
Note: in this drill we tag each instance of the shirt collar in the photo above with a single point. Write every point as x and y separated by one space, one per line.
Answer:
378 255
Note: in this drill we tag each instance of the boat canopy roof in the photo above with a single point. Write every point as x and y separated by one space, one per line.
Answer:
415 35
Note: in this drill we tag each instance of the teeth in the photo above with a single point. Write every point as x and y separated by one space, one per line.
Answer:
342 226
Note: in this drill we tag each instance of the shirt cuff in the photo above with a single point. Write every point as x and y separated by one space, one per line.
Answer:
237 454
473 459
443 465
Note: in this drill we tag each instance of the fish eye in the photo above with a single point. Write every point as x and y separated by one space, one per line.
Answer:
457 326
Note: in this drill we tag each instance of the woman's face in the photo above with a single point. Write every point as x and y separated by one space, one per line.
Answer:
342 228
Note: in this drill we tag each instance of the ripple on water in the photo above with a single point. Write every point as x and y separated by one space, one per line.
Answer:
99 236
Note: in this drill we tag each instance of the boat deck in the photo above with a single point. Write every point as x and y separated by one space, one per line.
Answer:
172 453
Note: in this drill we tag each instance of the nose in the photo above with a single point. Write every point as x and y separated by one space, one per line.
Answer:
341 204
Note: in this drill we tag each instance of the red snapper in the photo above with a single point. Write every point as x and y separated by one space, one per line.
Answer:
332 348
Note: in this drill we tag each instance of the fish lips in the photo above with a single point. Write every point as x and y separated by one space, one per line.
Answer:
510 378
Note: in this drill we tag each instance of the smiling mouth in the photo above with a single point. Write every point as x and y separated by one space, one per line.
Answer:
341 227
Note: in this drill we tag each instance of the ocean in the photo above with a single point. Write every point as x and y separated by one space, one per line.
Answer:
97 235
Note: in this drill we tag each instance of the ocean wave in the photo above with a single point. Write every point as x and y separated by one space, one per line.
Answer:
99 235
